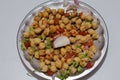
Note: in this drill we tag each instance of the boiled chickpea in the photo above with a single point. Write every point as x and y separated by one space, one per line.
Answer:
53 68
94 25
30 51
58 16
65 20
95 36
58 64
79 21
26 34
47 62
37 30
44 68
89 17
43 27
51 21
73 32
63 51
65 66
51 16
93 48
42 64
91 31
48 9
62 26
68 27
45 14
37 40
54 12
42 45
35 24
73 69
37 18
61 11
53 28
77 59
41 52
46 31
72 39
74 13
37 54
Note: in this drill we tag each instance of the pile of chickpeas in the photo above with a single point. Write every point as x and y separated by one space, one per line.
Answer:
48 25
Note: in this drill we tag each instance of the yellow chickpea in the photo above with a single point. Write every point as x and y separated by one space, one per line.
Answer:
30 51
43 27
56 51
88 25
37 30
51 21
63 51
47 62
90 54
42 64
91 31
58 64
53 28
74 47
65 20
83 63
66 33
44 68
74 13
42 52
77 59
40 14
93 48
54 12
69 27
78 21
42 45
53 68
51 16
61 11
62 26
72 39
78 37
89 17
37 18
73 70
45 14
37 54
37 40
69 61
65 66
95 36
94 25
58 16
26 34
32 34
78 50
48 9
68 48
35 24
73 32
46 31
56 57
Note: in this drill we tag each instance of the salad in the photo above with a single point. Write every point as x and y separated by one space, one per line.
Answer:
62 41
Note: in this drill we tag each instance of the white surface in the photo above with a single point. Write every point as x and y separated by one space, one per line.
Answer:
12 13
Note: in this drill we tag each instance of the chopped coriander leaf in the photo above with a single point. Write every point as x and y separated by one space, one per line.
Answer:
43 37
31 28
23 47
80 69
48 44
25 40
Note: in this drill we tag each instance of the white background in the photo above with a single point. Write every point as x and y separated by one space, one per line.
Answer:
12 13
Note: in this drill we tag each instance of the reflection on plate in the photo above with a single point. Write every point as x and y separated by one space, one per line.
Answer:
101 43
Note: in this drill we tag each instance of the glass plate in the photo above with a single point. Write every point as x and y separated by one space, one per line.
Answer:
102 43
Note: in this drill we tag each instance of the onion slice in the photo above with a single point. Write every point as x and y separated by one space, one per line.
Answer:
61 41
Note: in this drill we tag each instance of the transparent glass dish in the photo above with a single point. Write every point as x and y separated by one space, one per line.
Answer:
102 43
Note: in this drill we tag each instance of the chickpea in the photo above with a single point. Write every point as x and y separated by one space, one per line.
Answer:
44 68
74 47
85 38
43 27
53 68
42 64
32 34
78 50
48 10
72 39
30 51
51 16
45 14
69 27
73 69
94 25
49 51
46 31
47 62
62 26
79 21
32 43
56 57
93 48
53 28
63 51
74 13
51 21
73 20
83 63
95 36
58 16
61 11
56 52
68 48
89 17
77 59
65 66
41 52
73 32
90 54
65 20
35 24
54 12
37 30
40 14
37 40
78 37
42 45
91 31
69 61
88 25
37 18
66 33
82 16
26 34
37 54
58 64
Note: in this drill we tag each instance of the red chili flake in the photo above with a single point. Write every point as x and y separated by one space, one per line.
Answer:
89 65
27 44
49 73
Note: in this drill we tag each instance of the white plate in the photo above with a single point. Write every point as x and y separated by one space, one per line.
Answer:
102 43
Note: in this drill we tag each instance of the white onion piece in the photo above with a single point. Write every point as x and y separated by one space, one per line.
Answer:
97 55
61 41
